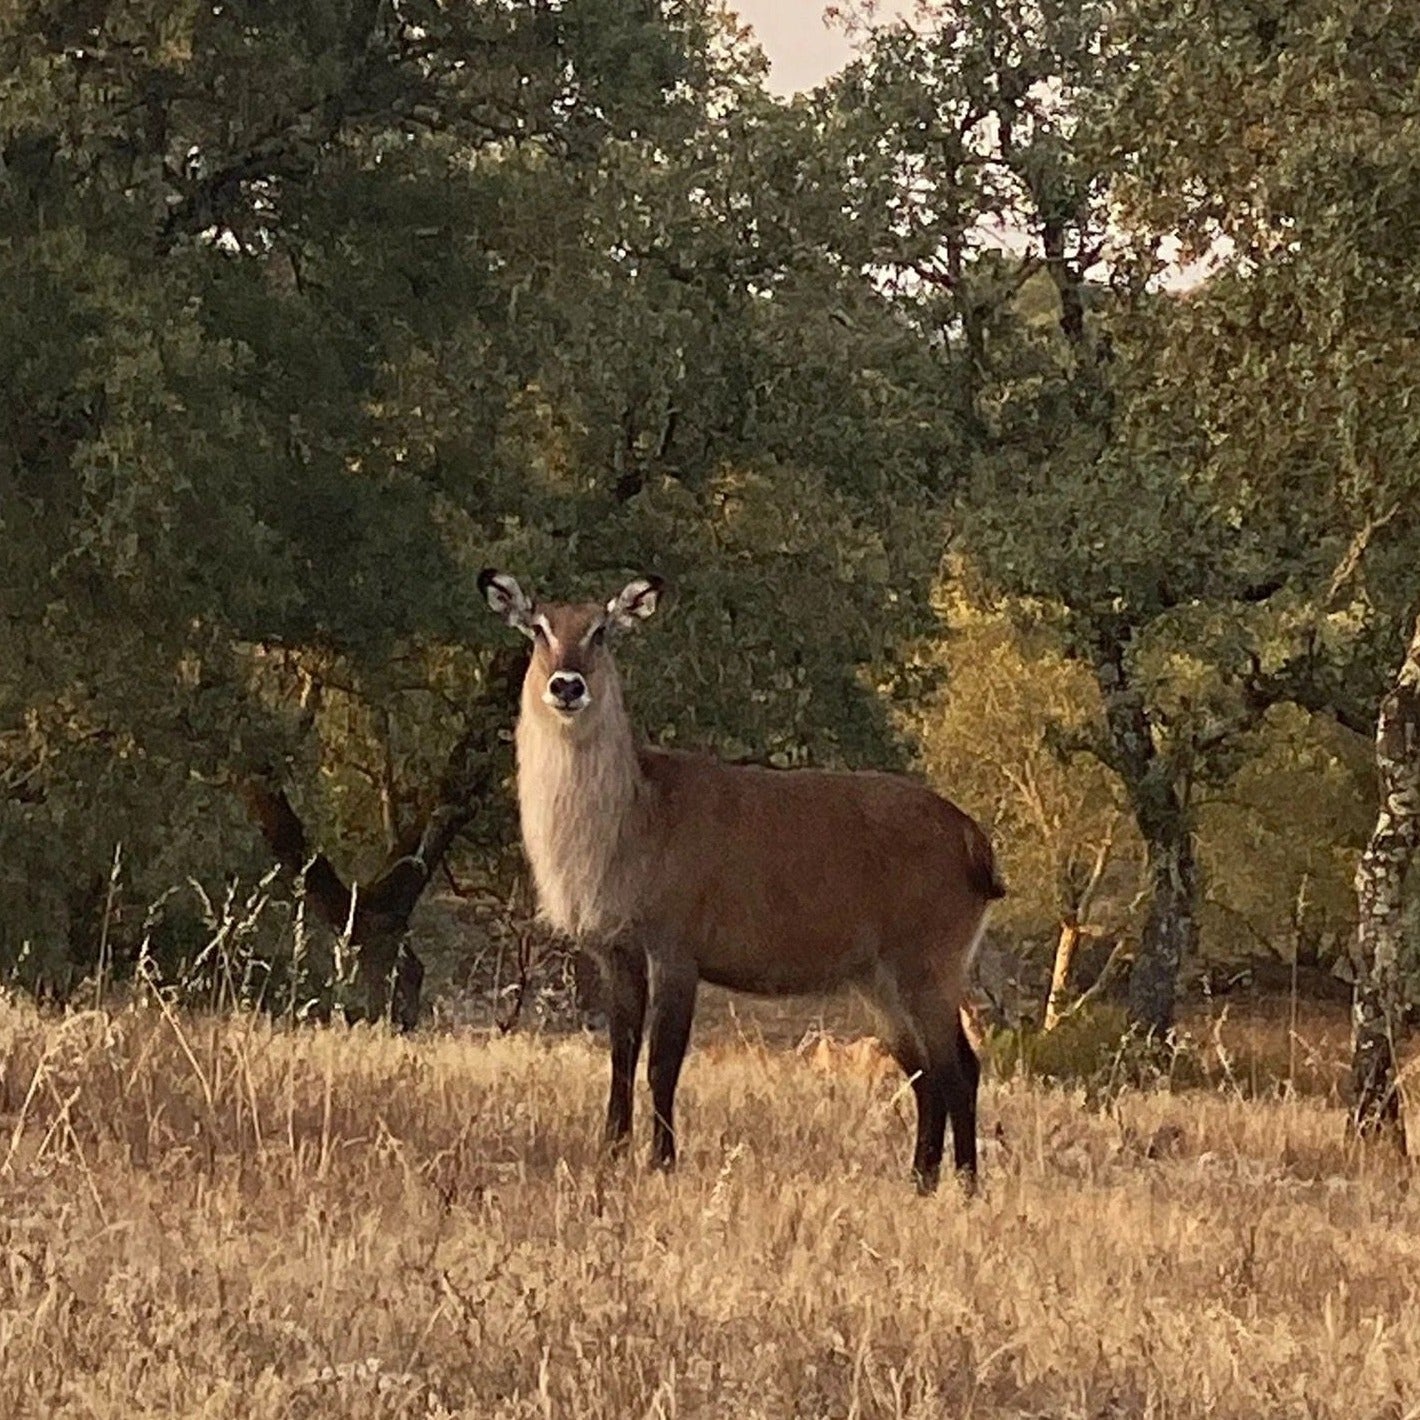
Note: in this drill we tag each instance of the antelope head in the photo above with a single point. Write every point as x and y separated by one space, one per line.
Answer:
571 674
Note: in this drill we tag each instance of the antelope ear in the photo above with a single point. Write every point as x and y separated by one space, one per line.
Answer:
506 598
635 602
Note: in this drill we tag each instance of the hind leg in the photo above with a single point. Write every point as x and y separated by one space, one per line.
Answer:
961 1090
933 1104
909 1053
949 1093
928 1042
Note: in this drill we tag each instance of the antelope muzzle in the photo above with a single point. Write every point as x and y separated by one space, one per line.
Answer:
566 692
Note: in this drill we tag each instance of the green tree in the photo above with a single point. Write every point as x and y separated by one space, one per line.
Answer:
1283 139
1095 507
233 237
1279 844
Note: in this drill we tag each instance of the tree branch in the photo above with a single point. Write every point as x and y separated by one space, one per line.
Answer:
1109 973
1103 851
1304 681
1356 550
1092 740
466 781
285 836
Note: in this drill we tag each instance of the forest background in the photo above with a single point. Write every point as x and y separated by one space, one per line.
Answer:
312 312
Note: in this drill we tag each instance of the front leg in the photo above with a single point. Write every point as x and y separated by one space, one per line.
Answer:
672 1009
624 971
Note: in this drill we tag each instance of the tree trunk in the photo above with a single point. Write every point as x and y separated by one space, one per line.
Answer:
1067 282
1158 793
373 920
1076 902
1380 885
388 976
1171 929
1065 949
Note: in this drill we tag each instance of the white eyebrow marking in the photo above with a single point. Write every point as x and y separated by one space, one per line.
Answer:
598 625
543 622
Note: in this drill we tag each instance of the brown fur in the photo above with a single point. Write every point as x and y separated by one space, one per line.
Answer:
680 868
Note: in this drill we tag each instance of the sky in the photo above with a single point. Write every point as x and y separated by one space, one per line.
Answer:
801 48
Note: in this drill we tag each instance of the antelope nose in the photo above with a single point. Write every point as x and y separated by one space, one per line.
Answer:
566 687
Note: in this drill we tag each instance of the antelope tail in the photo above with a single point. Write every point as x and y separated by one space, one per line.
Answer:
981 859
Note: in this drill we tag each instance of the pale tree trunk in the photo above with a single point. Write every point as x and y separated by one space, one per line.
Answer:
1380 885
1065 949
1073 927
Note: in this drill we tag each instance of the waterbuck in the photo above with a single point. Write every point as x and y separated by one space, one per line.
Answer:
675 868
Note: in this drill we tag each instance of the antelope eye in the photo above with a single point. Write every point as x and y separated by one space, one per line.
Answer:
538 633
597 637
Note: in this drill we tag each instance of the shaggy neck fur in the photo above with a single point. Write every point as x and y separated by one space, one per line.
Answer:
579 786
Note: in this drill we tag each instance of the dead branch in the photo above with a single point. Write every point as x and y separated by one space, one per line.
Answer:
1109 973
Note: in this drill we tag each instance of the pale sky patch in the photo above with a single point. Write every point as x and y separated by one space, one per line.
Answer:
802 49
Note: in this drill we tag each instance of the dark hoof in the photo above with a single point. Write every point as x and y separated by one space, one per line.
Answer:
927 1182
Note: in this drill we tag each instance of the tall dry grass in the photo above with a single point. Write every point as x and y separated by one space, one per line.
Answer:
210 1217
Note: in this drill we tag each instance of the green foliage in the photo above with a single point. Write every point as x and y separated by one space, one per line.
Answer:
1293 143
1084 1047
1292 155
1280 841
1206 497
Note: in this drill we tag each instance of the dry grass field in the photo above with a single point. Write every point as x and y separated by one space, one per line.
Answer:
210 1217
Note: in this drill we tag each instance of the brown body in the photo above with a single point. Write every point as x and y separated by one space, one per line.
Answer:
811 880
675 868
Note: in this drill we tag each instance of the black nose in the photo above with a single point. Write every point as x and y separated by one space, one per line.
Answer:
566 686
